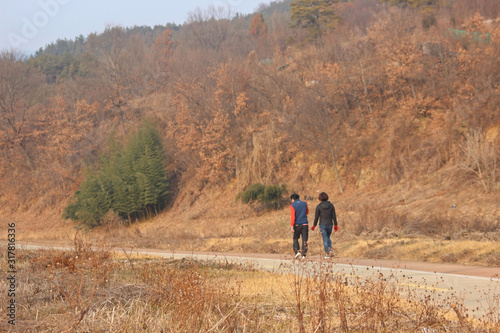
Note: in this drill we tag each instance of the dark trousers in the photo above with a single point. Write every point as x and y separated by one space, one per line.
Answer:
298 231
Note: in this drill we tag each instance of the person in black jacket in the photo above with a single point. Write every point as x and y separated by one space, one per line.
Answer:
325 213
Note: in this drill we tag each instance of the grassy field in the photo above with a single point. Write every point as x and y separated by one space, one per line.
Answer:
89 290
402 222
270 233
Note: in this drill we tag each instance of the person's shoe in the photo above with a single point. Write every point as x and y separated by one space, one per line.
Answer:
303 257
297 255
327 256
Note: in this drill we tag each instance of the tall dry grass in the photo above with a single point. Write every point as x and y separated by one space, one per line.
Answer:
90 290
374 218
324 300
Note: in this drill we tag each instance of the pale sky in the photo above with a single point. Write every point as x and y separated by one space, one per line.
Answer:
27 25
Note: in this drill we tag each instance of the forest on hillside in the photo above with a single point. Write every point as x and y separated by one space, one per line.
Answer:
354 93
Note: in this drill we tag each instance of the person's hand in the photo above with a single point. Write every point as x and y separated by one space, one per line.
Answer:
336 228
292 228
312 228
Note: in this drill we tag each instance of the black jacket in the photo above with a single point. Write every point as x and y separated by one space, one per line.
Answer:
325 212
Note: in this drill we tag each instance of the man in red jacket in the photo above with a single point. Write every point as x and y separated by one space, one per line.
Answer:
299 225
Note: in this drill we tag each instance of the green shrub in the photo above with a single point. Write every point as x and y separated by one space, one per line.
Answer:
269 195
272 196
251 193
131 182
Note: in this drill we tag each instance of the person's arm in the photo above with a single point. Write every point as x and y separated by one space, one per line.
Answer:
334 217
292 217
316 216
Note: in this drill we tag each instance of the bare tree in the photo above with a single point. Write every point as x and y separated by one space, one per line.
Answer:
18 95
209 29
124 66
480 157
322 124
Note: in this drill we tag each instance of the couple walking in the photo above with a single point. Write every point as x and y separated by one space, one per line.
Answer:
325 213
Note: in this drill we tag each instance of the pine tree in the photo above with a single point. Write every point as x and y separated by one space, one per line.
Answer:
91 203
149 167
132 182
315 16
412 3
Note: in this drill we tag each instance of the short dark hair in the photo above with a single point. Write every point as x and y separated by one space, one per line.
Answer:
295 196
323 196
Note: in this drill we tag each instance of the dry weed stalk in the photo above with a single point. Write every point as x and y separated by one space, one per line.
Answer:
100 294
322 299
78 278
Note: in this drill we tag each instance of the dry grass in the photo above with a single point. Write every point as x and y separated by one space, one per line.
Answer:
465 242
405 222
429 250
461 241
89 290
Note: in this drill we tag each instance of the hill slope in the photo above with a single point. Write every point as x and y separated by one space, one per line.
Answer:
396 118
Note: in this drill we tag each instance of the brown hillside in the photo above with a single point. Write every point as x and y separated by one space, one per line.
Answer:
395 115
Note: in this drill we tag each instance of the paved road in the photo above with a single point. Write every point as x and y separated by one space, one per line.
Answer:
476 287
